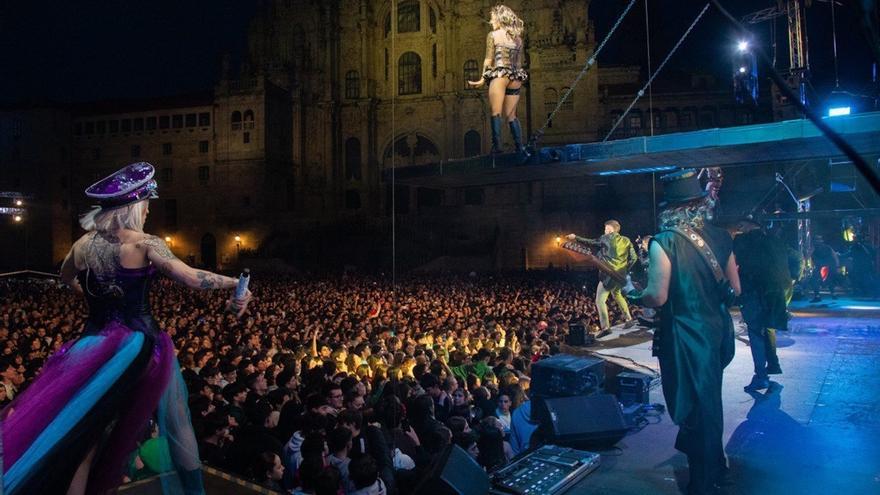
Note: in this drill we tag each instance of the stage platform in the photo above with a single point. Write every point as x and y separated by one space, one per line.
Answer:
817 431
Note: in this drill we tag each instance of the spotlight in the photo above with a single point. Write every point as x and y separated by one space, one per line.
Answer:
742 70
742 46
558 240
17 218
19 202
838 111
238 238
167 239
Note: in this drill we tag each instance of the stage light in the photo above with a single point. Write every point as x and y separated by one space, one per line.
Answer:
558 240
742 46
17 218
167 239
838 111
742 70
19 202
238 238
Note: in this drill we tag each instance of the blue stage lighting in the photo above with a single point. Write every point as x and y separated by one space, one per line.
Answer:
742 46
838 111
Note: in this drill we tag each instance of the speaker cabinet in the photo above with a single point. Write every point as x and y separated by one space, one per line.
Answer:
594 421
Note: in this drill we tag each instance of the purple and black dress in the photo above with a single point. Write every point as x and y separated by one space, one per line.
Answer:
101 391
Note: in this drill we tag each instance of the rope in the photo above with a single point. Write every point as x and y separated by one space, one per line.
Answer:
590 62
395 83
648 50
654 75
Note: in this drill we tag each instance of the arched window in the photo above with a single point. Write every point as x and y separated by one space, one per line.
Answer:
472 145
409 74
408 18
236 120
248 119
352 159
551 97
569 102
471 72
352 84
432 20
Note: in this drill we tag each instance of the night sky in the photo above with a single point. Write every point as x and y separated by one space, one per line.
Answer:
90 50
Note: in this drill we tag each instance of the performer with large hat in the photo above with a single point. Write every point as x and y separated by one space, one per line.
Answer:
72 430
692 276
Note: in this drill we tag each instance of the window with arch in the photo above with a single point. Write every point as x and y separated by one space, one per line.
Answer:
353 159
471 72
432 20
409 74
408 17
472 145
236 120
551 96
248 119
569 102
352 84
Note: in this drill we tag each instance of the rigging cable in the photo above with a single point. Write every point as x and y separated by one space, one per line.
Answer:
654 75
590 62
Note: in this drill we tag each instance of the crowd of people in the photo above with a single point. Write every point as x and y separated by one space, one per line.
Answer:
350 383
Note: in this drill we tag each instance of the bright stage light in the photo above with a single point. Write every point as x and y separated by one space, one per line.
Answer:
838 111
742 70
742 46
17 218
19 202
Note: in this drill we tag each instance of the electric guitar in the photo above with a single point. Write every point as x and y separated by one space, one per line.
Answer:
614 279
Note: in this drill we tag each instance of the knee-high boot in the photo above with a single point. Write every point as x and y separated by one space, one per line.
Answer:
496 134
516 132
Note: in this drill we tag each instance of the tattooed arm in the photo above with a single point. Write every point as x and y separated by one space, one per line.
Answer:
162 257
69 268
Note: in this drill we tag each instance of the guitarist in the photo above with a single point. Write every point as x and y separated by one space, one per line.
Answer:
618 252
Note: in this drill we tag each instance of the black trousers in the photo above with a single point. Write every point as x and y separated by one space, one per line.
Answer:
700 438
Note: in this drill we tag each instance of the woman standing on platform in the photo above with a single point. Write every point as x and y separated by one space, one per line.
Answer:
72 430
503 70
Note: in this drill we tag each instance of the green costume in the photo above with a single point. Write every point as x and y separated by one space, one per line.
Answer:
694 343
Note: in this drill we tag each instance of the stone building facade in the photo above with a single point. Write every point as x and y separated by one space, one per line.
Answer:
287 154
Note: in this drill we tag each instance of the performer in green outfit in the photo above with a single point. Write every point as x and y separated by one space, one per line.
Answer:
694 341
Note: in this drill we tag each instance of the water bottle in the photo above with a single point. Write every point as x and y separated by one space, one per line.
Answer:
243 281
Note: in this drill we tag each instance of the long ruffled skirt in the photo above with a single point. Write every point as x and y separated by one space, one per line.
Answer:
98 393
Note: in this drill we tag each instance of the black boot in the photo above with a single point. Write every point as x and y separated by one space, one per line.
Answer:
496 134
516 132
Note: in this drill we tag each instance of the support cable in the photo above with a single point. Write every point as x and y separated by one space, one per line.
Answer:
590 62
654 75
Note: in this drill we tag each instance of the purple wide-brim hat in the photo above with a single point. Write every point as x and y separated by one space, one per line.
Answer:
125 186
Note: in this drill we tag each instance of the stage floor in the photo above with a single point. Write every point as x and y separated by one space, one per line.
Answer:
817 431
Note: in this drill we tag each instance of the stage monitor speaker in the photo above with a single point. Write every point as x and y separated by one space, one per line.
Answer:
455 472
564 375
577 335
594 421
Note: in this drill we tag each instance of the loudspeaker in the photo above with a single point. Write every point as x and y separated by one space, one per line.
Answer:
577 335
564 375
455 472
594 421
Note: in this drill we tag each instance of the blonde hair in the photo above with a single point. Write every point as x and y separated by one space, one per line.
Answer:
508 20
131 217
694 214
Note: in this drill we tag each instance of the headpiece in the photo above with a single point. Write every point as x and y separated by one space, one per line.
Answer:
128 185
681 187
